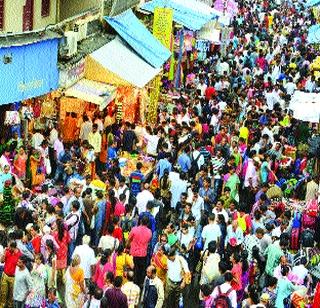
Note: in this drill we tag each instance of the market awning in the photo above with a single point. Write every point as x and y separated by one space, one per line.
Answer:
311 3
305 106
92 91
125 65
231 6
314 34
134 32
191 14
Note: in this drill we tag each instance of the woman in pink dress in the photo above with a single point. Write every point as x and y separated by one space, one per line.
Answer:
20 163
62 237
104 265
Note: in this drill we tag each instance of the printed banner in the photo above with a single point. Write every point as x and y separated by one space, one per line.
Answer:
162 30
162 25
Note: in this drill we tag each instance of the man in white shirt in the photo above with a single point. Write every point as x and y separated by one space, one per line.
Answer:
87 257
226 288
37 140
175 280
108 241
211 232
197 204
152 143
142 199
290 87
152 280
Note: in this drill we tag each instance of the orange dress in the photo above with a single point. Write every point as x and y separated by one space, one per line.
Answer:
36 177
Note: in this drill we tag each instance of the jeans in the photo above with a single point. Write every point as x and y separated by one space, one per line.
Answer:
72 247
18 304
60 174
217 187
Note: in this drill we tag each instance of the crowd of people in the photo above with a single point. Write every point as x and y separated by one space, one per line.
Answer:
227 217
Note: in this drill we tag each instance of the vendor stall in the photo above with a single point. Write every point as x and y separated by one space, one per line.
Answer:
128 163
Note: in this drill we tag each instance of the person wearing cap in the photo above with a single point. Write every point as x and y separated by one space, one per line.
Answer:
88 260
234 235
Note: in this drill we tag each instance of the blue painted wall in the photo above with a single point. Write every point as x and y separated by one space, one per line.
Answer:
32 72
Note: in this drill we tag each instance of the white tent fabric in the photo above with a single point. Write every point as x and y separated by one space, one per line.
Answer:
122 61
92 91
306 106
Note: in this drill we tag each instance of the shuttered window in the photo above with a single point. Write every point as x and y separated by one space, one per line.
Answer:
1 14
28 15
45 8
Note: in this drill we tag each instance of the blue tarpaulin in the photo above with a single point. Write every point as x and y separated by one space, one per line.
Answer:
31 70
311 3
314 34
183 15
139 38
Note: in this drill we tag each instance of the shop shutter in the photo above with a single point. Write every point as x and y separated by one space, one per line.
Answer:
45 8
1 14
28 15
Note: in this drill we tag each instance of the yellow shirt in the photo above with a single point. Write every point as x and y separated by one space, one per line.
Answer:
244 133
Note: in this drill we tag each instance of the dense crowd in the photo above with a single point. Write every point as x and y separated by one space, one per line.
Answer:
228 215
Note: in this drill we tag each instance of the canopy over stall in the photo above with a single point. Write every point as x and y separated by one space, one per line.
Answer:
306 106
311 3
190 14
115 63
314 34
94 92
139 38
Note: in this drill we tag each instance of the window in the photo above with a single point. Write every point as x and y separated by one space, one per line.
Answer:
1 14
45 8
28 15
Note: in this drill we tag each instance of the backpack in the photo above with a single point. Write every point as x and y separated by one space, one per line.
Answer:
307 238
194 169
223 300
75 223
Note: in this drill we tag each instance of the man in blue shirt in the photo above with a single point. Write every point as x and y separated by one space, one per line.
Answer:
163 165
184 161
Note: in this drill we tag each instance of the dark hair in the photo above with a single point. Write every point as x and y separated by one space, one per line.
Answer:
212 246
19 234
23 259
75 204
60 228
98 293
228 276
50 244
112 199
272 281
145 220
118 281
284 270
110 277
206 289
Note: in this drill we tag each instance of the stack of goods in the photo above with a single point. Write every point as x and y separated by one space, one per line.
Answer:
128 163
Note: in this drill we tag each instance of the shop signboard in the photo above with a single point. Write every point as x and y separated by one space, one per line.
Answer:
72 74
28 71
162 30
